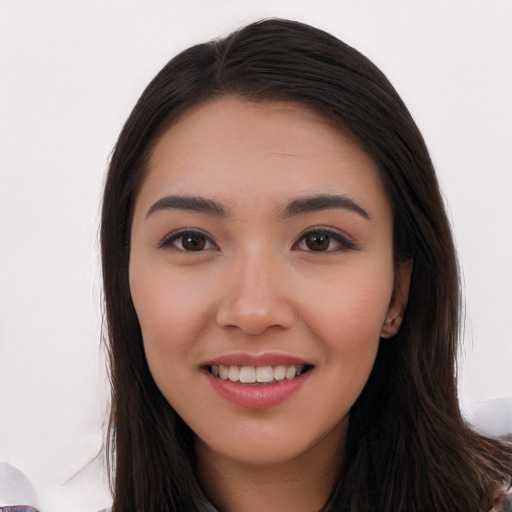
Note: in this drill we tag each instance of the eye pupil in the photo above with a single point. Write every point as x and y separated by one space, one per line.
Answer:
317 241
192 242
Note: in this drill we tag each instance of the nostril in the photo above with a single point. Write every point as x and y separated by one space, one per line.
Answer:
255 319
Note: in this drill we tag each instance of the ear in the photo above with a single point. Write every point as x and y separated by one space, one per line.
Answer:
395 314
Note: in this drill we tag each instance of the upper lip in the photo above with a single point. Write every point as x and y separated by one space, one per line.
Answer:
261 359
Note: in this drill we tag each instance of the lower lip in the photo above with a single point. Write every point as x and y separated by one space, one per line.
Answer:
254 396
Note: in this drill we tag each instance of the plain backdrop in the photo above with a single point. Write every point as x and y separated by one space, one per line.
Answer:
70 73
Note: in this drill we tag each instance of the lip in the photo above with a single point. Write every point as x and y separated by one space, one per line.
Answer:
256 396
261 359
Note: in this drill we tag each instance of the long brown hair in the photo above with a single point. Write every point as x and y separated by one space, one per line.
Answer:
408 447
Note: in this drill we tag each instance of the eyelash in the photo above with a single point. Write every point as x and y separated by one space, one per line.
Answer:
344 242
170 241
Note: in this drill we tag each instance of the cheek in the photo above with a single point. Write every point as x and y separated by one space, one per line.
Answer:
171 313
164 315
352 304
168 304
347 321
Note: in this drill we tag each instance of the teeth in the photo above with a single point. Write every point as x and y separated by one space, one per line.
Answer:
279 372
264 374
223 372
259 374
290 372
247 375
233 373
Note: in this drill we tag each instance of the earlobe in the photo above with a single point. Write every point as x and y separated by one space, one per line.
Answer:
395 314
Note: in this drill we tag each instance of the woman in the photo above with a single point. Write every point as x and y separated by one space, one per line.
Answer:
282 292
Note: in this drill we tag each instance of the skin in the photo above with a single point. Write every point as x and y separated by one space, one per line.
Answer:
257 286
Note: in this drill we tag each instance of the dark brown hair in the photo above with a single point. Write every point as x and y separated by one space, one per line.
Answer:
408 447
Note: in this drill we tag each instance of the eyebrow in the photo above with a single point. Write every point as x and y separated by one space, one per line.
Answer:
323 202
192 203
295 207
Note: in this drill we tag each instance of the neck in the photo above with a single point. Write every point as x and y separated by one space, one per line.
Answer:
303 484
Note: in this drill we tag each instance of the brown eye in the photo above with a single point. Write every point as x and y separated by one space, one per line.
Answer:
188 241
193 242
324 240
317 241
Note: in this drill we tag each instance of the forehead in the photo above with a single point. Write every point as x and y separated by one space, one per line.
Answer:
238 151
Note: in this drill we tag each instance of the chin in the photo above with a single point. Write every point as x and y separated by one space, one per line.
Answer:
267 447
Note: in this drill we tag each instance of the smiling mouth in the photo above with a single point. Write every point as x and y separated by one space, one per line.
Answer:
257 375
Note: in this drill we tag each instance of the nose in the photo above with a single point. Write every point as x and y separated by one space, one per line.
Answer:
256 296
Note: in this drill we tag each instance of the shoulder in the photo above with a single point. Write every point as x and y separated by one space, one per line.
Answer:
503 502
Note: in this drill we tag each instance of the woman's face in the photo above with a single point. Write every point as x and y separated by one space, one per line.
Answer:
261 270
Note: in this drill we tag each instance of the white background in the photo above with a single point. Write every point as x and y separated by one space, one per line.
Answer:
70 73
